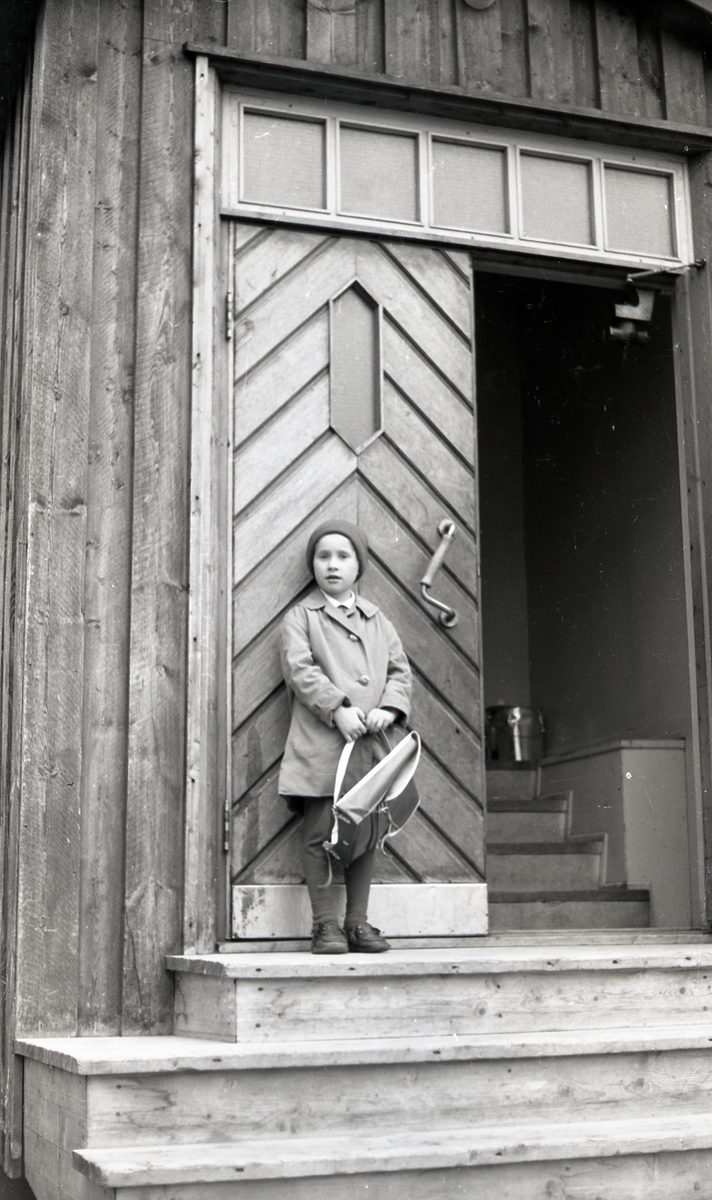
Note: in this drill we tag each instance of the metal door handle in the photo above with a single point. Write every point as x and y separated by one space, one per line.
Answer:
447 615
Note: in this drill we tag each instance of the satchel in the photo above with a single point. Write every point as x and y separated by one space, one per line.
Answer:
386 794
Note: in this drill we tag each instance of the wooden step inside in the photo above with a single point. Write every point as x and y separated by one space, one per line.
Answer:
538 874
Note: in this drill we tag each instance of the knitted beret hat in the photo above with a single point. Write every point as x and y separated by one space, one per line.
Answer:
355 535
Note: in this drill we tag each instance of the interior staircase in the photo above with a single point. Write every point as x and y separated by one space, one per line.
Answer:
539 875
504 1071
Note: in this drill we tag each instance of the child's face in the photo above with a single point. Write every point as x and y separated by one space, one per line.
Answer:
335 565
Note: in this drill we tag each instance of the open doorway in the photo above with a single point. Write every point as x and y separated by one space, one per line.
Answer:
583 582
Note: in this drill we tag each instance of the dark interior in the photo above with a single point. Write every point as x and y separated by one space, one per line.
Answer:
583 591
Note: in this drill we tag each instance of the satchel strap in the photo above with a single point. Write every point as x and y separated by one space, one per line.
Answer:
341 768
344 762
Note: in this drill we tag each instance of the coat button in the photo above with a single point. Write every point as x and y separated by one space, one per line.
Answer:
353 637
364 680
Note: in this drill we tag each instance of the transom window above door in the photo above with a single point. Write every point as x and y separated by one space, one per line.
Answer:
317 163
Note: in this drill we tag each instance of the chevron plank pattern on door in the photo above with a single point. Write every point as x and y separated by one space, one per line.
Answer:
291 470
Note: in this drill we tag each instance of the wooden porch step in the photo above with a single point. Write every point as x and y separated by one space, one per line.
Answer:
484 1163
363 1086
542 820
526 866
260 997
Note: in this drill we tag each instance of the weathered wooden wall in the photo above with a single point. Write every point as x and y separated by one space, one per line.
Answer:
610 55
95 295
95 368
13 543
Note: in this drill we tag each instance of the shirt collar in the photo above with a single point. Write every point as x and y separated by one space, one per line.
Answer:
316 599
347 603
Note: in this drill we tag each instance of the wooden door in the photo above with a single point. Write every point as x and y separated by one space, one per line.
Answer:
353 395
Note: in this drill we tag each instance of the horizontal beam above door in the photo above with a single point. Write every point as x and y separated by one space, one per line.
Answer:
323 82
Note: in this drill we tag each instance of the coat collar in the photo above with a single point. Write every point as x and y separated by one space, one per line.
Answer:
316 599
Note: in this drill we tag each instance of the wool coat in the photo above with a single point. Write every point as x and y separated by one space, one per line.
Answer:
330 658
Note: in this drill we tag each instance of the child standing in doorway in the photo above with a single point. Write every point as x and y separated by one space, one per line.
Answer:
348 679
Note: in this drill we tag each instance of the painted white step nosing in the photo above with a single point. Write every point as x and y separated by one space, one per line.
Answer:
396 1151
291 965
195 1055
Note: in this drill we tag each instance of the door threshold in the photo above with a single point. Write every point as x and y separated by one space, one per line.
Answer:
515 937
293 945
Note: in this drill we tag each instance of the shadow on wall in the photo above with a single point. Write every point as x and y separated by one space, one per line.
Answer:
15 1189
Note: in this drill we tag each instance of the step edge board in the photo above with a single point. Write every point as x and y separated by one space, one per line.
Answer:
302 1157
474 960
371 1051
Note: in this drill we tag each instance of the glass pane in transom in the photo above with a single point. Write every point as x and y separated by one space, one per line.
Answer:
379 174
284 161
469 187
639 212
556 200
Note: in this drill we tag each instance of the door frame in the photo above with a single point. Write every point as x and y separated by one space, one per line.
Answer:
206 874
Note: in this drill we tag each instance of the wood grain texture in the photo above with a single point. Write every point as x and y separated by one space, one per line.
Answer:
297 494
59 384
420 40
652 91
551 70
479 48
435 276
584 54
267 27
331 32
446 474
262 392
210 22
684 75
618 65
275 447
207 755
155 790
108 557
347 34
13 600
515 51
257 746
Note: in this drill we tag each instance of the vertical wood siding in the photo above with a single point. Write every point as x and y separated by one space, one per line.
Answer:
605 54
109 493
13 545
156 745
57 341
